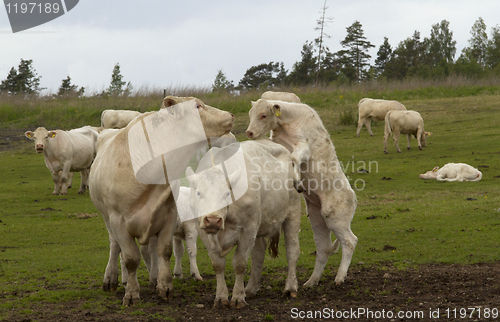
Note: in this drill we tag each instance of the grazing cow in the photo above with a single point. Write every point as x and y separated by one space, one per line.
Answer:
330 200
453 172
117 119
374 109
269 204
145 212
404 122
65 152
281 96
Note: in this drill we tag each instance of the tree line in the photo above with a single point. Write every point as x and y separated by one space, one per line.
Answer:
25 81
414 57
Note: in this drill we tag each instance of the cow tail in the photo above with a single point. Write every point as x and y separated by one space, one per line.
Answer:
274 245
388 129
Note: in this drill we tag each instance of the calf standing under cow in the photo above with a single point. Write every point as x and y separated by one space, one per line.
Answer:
135 211
65 152
330 200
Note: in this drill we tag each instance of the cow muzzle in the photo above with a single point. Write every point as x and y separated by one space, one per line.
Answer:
211 224
39 148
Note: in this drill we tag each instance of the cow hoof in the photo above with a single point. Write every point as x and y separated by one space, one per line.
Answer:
409 149
290 294
238 305
178 276
310 284
399 151
109 287
166 295
152 287
386 152
63 193
81 192
55 193
197 278
131 300
221 303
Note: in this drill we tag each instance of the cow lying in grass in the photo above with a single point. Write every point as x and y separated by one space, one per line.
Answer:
330 200
453 172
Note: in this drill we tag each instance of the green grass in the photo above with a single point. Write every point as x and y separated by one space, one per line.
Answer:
49 255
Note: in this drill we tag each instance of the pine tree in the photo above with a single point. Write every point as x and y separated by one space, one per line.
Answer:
117 83
67 89
320 25
304 72
383 56
221 83
24 80
358 47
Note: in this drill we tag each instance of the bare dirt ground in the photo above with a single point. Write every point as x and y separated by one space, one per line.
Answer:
416 293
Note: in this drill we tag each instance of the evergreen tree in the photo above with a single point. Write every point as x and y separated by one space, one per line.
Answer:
221 83
358 48
493 49
24 80
304 72
383 56
117 84
478 43
69 90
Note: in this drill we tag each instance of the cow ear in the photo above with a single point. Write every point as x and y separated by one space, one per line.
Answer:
169 101
30 135
190 175
277 109
435 169
428 133
52 134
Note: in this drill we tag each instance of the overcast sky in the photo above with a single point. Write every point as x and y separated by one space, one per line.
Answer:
161 43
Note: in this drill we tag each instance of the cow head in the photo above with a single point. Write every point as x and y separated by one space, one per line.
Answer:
41 137
263 118
210 197
215 122
430 174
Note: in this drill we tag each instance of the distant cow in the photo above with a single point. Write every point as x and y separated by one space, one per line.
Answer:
117 119
330 200
65 152
281 96
375 109
269 205
404 122
453 172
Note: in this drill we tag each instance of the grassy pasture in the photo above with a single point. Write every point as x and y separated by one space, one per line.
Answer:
51 254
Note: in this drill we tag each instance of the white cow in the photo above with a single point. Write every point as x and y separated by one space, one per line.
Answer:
330 200
281 96
135 211
453 172
404 122
65 152
374 109
269 204
117 119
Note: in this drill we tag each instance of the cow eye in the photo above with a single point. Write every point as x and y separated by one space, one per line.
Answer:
263 116
198 106
198 194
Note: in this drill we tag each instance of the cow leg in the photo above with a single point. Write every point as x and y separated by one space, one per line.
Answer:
240 261
178 252
85 181
191 237
386 138
322 239
419 136
70 179
395 138
409 141
56 177
291 228
131 258
338 216
368 124
64 178
110 282
221 294
150 255
165 288
258 254
360 125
